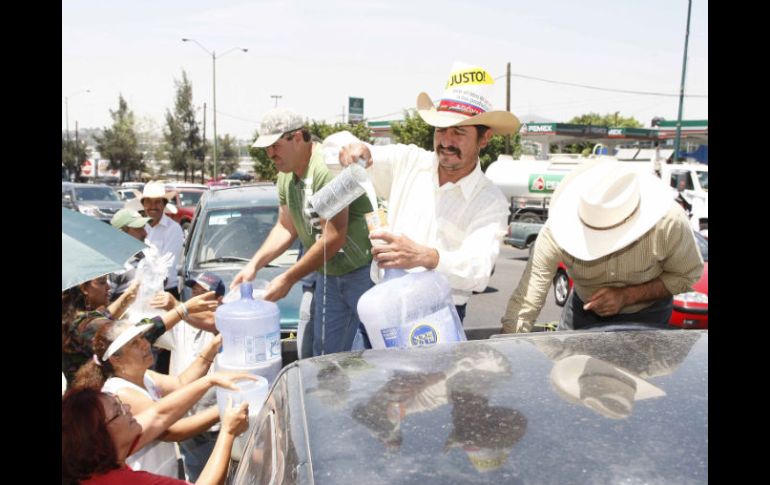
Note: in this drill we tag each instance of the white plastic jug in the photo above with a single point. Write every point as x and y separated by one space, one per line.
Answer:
253 392
251 330
345 188
410 310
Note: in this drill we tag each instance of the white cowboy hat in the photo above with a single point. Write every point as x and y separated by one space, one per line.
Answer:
466 101
603 207
153 190
600 386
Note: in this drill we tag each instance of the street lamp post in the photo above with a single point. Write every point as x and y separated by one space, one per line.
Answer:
276 97
213 55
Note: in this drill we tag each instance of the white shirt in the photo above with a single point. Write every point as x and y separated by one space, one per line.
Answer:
168 237
464 221
159 456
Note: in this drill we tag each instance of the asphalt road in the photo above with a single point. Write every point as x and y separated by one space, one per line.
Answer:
485 309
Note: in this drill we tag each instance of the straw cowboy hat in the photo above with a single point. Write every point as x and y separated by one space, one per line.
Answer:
603 207
153 190
600 386
467 101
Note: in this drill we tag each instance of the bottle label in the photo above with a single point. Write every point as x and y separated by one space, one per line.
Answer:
430 329
253 349
274 345
390 335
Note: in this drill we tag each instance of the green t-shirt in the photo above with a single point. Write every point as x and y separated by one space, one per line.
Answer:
357 251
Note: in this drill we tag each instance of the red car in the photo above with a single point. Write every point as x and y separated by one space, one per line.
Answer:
691 309
185 201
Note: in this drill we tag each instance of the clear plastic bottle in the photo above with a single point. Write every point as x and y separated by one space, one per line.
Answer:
251 331
410 310
253 392
341 191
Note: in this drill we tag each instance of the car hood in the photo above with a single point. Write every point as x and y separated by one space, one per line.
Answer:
555 408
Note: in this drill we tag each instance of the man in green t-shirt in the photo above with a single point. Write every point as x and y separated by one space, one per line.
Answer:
339 251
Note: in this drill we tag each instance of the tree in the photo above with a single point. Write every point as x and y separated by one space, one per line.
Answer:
184 144
73 154
265 168
118 144
413 130
613 120
228 154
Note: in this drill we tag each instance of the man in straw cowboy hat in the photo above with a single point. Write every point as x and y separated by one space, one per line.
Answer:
162 231
444 213
627 245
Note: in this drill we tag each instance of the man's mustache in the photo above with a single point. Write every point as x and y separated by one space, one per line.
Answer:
449 149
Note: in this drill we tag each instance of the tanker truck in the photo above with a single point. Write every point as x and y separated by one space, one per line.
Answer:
529 184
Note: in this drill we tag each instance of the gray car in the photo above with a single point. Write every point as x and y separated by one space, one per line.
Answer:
228 227
95 200
627 406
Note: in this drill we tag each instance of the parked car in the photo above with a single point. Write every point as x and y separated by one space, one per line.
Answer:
548 408
228 227
690 308
128 194
522 235
96 200
241 176
185 199
186 185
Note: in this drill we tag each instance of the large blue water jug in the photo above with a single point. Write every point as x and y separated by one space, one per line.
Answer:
410 310
251 330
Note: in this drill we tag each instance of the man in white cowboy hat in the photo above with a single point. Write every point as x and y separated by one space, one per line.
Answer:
443 212
627 245
339 248
162 231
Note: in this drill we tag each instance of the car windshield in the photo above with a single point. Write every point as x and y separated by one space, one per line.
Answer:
96 193
189 199
232 235
703 177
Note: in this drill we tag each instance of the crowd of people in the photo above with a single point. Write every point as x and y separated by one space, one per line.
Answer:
624 240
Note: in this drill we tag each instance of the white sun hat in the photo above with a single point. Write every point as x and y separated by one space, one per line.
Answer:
129 333
603 207
467 101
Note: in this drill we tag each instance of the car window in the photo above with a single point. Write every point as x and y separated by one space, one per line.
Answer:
681 181
189 199
703 178
259 464
235 233
703 246
95 193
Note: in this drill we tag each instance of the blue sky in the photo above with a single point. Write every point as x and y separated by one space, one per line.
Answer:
317 53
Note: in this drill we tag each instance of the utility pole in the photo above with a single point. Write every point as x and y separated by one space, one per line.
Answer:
276 97
508 106
343 114
681 88
203 171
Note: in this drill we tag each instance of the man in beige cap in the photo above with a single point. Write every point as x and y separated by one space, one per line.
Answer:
339 250
443 212
627 245
132 223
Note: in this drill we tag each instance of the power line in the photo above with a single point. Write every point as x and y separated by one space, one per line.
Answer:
645 93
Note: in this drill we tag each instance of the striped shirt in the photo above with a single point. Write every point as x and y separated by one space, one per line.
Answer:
464 221
667 251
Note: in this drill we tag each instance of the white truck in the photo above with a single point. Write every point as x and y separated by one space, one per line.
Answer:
529 184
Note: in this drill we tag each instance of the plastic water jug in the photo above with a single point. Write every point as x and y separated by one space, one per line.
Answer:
268 369
346 187
410 310
251 330
253 392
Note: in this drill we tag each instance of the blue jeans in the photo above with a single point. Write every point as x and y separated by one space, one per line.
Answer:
195 453
335 331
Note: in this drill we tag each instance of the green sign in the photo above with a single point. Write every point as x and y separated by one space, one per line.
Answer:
544 183
355 109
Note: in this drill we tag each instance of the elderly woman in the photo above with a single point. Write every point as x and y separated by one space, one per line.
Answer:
99 432
121 365
84 311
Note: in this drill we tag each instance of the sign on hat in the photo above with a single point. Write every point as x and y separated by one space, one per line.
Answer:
467 100
274 124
